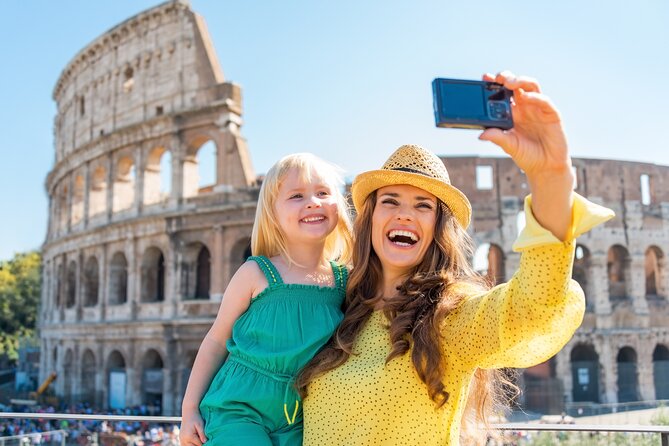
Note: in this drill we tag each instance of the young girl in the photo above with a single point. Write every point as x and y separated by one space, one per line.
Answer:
279 309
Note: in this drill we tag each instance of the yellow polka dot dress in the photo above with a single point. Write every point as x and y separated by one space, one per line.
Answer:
517 324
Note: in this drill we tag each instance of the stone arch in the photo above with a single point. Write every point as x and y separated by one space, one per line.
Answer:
585 373
61 200
97 196
68 373
618 269
654 258
88 372
489 261
157 176
582 274
124 184
152 378
116 377
627 378
61 280
91 282
153 275
196 271
661 371
71 285
78 199
118 279
240 251
198 166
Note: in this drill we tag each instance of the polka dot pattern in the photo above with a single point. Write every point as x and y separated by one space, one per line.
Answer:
517 324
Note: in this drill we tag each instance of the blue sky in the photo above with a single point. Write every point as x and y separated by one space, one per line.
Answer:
350 80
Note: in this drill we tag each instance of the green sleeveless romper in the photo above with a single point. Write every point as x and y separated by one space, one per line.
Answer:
252 400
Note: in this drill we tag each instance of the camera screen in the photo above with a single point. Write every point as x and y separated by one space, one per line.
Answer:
462 100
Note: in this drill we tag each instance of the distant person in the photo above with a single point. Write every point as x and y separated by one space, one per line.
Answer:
279 309
412 360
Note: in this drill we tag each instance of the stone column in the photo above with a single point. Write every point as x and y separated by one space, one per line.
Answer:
645 367
87 190
103 282
110 187
563 371
140 168
598 286
134 293
70 186
217 286
663 280
610 370
637 284
178 153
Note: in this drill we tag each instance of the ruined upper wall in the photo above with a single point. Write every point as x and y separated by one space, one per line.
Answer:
615 184
158 62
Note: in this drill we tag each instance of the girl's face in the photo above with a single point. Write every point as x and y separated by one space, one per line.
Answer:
402 227
305 210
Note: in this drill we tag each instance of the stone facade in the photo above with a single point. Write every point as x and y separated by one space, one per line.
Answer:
128 293
134 271
620 353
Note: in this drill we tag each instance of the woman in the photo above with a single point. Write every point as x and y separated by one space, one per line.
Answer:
411 361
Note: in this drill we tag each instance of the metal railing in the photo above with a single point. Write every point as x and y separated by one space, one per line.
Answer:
21 439
662 431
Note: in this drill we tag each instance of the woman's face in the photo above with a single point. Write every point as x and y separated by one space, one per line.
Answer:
402 227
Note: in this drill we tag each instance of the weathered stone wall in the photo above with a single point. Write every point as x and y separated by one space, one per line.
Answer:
129 255
621 266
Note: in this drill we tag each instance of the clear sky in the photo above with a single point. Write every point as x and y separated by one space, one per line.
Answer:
350 80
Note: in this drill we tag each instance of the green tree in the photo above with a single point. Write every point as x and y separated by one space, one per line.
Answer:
19 300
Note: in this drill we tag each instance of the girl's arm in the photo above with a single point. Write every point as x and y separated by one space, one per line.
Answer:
244 285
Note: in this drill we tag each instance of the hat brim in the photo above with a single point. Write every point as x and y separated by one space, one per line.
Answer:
367 182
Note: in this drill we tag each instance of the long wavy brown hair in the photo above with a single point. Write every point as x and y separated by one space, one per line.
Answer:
416 313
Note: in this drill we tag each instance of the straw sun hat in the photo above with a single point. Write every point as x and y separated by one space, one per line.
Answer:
417 167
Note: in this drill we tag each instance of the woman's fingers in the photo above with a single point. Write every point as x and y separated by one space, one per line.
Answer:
513 82
540 101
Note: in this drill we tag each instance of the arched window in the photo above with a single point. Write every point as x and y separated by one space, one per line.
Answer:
153 276
124 184
654 257
627 375
91 282
199 167
78 200
116 380
157 176
71 285
152 379
98 194
581 274
88 371
118 279
618 266
585 373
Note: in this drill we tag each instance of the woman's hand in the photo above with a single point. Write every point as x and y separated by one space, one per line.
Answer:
192 428
536 142
538 146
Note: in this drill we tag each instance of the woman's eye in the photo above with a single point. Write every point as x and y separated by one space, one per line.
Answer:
424 205
390 201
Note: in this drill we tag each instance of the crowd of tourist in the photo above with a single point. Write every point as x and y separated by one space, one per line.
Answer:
85 432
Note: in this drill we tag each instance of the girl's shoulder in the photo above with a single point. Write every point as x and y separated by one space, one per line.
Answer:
250 274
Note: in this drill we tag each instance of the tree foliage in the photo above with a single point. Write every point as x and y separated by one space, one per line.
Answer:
19 299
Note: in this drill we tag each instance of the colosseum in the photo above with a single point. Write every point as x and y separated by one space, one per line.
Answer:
139 251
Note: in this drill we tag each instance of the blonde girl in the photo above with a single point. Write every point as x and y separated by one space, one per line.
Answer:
279 309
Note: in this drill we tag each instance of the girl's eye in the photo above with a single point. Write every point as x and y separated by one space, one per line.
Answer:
296 196
323 193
